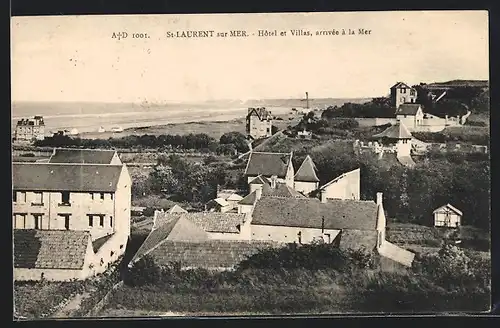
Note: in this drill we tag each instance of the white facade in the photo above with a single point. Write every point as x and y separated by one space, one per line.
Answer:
447 216
346 186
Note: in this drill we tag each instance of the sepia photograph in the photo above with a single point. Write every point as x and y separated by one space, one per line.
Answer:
217 165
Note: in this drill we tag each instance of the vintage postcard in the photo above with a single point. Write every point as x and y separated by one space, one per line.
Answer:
250 164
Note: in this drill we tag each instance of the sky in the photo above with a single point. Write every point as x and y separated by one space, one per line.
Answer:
75 58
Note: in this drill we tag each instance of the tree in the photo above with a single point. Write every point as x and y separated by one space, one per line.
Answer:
237 139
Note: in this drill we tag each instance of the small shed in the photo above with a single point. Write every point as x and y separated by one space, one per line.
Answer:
447 216
218 205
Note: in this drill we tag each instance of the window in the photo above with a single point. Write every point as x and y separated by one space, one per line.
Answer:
112 196
91 220
22 196
327 237
66 220
38 198
102 195
110 221
65 197
101 220
92 195
37 218
14 196
20 221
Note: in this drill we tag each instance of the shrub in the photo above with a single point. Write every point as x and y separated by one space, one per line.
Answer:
144 272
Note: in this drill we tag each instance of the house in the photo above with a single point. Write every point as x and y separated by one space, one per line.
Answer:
31 129
395 138
218 205
347 223
266 164
447 216
345 186
76 200
259 123
306 180
402 93
231 196
225 226
411 115
85 156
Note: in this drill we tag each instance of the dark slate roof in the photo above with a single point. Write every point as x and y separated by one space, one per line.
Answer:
307 171
268 164
50 249
211 254
400 85
407 109
308 213
208 221
69 177
99 242
282 190
82 156
396 131
261 113
177 228
249 199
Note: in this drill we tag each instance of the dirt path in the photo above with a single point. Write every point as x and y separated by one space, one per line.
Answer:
74 304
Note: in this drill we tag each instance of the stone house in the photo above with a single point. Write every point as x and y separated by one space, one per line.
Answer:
259 123
51 200
85 156
266 164
306 180
402 93
412 115
396 138
447 216
345 186
30 129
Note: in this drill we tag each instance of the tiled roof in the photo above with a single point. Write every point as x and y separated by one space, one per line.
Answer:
249 199
99 242
50 249
211 254
177 228
407 109
68 177
268 164
234 197
309 212
307 171
208 221
282 190
396 131
83 156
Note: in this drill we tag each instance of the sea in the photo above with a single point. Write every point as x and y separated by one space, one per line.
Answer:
91 116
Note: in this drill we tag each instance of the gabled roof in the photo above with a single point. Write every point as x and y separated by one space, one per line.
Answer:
282 190
450 207
249 199
396 131
260 180
307 171
343 175
400 85
220 201
234 197
309 212
208 221
82 156
268 164
65 177
261 113
408 109
210 254
178 229
50 249
99 242
176 209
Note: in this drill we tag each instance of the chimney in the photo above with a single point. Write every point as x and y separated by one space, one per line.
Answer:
323 196
379 198
274 178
